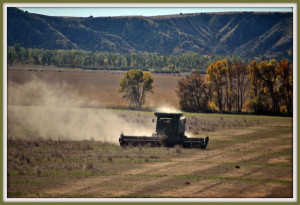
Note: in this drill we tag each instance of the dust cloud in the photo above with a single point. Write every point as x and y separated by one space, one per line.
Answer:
39 109
167 109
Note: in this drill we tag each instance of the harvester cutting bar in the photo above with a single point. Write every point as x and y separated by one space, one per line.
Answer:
159 141
140 140
196 142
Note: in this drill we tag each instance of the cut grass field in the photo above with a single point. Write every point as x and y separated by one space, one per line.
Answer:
253 160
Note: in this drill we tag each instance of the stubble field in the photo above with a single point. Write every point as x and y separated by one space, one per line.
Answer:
247 156
99 87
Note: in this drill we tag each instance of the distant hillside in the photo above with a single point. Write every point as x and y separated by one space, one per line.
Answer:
245 34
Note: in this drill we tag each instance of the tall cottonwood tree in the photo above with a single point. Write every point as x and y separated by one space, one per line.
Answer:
134 85
256 102
229 85
271 86
193 94
284 76
241 77
254 77
269 83
216 77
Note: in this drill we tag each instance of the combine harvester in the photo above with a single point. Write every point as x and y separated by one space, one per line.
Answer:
170 128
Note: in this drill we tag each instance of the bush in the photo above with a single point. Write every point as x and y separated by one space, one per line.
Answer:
38 171
178 148
88 166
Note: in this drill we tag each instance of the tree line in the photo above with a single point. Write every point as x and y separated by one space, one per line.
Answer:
264 87
217 83
112 61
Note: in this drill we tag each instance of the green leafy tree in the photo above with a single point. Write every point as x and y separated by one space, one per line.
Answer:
11 55
18 52
134 85
35 55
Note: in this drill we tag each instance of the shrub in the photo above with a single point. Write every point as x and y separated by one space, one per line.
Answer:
88 166
178 148
86 146
37 171
110 159
56 154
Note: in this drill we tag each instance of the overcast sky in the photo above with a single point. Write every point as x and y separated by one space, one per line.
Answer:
144 11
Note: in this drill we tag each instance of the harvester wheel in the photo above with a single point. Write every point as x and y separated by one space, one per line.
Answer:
206 142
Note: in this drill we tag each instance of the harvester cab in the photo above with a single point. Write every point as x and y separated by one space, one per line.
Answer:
170 124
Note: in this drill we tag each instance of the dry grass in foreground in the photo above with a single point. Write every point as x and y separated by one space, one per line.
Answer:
249 160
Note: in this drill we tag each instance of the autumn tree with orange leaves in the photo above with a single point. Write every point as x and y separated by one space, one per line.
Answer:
284 72
265 87
241 84
216 77
271 88
193 93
